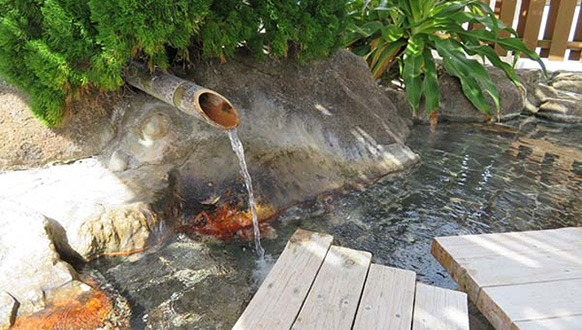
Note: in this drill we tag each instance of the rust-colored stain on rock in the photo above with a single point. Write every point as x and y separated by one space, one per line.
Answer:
92 309
227 222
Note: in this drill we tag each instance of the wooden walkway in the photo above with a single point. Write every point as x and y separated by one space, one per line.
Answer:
523 280
317 286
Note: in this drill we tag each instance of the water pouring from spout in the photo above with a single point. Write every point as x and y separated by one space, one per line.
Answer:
237 147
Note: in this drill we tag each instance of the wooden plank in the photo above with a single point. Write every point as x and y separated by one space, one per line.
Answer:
334 297
550 24
452 249
506 16
561 33
559 323
532 23
439 309
576 45
533 267
503 305
523 13
279 299
387 300
575 54
491 244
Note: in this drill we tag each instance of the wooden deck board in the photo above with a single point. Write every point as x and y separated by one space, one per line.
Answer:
455 252
387 300
527 267
534 301
334 297
279 299
439 309
518 279
314 285
558 323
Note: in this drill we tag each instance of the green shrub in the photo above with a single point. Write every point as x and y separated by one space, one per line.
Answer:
407 31
55 50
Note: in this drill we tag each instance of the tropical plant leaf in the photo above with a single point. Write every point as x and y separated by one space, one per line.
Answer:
472 74
410 29
430 83
413 62
491 55
387 57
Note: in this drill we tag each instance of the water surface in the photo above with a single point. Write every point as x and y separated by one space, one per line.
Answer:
472 179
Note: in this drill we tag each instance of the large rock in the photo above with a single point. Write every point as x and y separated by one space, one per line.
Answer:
562 99
30 263
455 107
100 212
556 98
531 78
306 129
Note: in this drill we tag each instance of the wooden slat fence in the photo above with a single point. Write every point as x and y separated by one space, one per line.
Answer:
559 23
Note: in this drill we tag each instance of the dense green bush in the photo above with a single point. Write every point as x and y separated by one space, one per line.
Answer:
57 49
406 32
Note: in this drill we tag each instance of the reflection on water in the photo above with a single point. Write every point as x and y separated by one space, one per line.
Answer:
472 179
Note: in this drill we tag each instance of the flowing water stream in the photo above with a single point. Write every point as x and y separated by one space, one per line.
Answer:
472 179
238 149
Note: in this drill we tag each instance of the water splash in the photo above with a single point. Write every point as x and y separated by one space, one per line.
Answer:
238 149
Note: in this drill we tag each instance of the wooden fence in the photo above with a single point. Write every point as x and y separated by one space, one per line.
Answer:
556 32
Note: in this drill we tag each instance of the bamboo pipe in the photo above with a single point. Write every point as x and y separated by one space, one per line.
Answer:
188 97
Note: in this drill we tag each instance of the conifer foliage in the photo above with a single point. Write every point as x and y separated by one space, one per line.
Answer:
56 49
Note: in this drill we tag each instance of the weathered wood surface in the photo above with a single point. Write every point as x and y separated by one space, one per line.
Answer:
278 301
387 299
452 251
333 300
533 301
314 285
439 309
519 280
558 323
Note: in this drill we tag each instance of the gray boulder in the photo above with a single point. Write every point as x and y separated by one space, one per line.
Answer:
455 107
556 98
99 212
306 129
30 262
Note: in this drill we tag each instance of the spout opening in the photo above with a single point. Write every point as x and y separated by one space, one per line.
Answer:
218 109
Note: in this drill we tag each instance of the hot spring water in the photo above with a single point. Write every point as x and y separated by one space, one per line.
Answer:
238 149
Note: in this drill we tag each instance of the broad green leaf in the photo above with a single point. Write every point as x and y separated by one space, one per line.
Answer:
387 57
445 8
427 6
413 61
367 29
511 44
362 50
404 5
491 55
391 33
430 83
471 74
378 50
416 9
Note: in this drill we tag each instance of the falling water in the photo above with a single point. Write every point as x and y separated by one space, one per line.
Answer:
240 153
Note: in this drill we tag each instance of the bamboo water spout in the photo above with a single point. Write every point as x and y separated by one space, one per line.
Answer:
188 97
